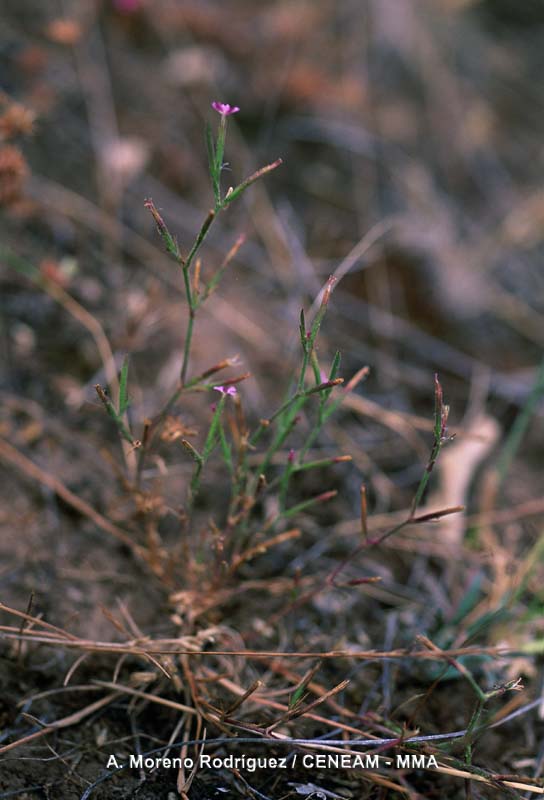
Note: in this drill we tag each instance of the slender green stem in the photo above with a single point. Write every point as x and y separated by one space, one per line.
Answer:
299 395
441 412
194 487
321 498
472 725
187 345
321 462
314 433
280 439
110 408
201 459
285 406
219 152
425 478
189 294
304 367
226 450
308 465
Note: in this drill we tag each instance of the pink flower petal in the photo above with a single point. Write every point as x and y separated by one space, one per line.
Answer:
231 390
224 108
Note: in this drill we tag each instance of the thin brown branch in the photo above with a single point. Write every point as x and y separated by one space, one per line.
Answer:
12 456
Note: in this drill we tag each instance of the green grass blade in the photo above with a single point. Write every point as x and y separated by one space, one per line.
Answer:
123 388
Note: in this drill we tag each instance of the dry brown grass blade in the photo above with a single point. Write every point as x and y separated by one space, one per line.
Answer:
301 710
304 682
262 547
93 326
48 627
183 783
364 513
387 784
161 701
165 647
430 516
136 632
65 722
394 420
231 686
377 522
199 604
89 322
361 248
471 776
312 686
73 669
12 456
433 648
255 686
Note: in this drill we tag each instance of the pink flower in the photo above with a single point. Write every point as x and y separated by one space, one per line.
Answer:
291 456
224 108
228 390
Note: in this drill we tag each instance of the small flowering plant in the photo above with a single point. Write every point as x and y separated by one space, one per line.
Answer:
216 149
261 461
252 475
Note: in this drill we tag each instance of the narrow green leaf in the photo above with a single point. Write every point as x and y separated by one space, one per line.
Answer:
110 408
321 498
220 148
213 433
302 330
123 394
225 448
193 451
318 319
316 368
297 695
335 366
236 192
169 242
212 166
